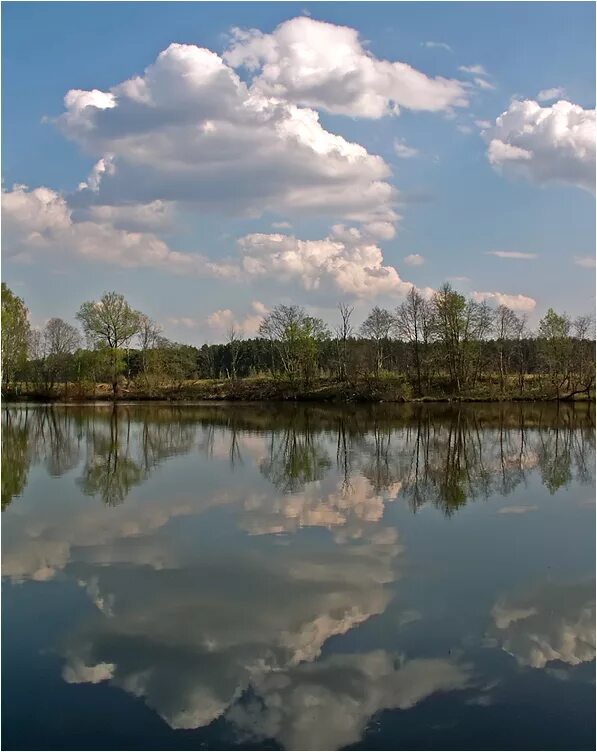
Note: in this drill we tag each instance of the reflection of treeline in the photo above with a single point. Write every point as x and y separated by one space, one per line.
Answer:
119 450
442 346
441 454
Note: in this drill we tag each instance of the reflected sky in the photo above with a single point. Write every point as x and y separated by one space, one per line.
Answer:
301 577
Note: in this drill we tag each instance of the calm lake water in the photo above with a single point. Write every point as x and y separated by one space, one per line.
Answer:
298 577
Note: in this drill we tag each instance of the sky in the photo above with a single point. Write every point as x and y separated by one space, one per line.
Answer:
211 160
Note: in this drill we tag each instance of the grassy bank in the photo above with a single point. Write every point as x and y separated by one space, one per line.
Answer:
388 388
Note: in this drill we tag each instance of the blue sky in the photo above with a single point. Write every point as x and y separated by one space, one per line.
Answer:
189 221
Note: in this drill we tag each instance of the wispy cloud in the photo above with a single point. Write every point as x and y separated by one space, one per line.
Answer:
404 151
437 45
483 84
546 95
588 262
513 255
474 70
517 510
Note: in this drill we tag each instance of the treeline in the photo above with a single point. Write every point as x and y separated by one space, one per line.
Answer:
438 347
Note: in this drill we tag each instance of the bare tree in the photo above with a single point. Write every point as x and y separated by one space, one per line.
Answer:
409 322
344 331
505 325
61 340
151 343
584 361
234 340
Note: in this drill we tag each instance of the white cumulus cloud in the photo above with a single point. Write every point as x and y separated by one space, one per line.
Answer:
515 302
39 222
545 144
248 325
190 131
351 265
326 66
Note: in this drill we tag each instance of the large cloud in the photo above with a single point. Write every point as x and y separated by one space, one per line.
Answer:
39 222
353 266
545 144
189 644
189 130
325 66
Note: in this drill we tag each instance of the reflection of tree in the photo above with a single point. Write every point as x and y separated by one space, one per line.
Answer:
228 435
110 471
378 467
15 454
296 457
464 457
562 450
160 440
124 455
32 435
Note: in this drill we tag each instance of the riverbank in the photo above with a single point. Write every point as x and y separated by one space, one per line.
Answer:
260 389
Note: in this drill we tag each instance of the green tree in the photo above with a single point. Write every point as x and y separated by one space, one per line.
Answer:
15 335
61 341
110 323
295 338
556 349
377 327
16 454
460 326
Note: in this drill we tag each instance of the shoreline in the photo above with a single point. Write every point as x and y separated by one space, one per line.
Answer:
270 391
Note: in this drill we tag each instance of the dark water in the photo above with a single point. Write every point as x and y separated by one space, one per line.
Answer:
262 576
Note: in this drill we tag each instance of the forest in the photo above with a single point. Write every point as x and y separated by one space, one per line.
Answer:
443 347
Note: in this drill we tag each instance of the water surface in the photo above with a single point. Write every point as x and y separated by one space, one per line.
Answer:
298 577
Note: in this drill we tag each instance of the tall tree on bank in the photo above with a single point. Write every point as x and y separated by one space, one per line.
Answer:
584 334
294 337
110 323
377 327
344 331
412 322
61 341
461 325
15 335
506 325
556 349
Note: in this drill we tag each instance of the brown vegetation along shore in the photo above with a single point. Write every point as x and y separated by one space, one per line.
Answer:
388 388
